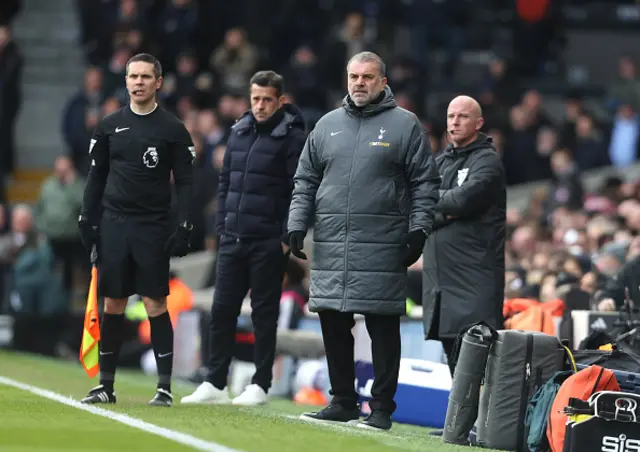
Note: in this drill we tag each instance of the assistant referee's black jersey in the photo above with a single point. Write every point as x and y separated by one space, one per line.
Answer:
131 159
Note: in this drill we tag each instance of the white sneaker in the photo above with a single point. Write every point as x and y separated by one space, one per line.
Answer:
207 393
251 396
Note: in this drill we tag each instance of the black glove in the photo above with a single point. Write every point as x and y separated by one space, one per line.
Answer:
89 235
415 245
296 243
178 243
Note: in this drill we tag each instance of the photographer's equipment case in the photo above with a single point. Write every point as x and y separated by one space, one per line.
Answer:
519 363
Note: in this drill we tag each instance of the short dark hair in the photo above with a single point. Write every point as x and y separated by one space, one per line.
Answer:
268 78
147 58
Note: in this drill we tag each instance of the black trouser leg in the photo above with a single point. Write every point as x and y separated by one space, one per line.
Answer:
267 265
338 344
232 284
447 345
384 331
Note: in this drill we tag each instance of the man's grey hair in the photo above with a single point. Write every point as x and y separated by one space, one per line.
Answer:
365 57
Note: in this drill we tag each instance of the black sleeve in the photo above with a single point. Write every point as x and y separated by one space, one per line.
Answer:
97 177
183 154
480 190
293 156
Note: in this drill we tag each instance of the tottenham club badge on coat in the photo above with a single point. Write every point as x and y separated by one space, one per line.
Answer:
150 157
462 175
384 144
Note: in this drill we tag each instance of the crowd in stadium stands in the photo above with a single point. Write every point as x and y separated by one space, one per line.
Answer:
565 237
208 62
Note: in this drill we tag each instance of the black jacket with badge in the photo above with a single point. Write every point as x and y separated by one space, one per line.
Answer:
463 270
256 181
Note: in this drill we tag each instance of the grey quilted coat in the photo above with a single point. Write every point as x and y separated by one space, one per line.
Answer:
369 176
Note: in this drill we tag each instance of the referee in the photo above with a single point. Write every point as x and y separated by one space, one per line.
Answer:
126 216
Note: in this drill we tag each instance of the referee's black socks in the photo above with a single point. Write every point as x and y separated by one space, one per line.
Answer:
111 333
162 342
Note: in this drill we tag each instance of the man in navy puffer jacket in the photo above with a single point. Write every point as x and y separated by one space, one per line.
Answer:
254 194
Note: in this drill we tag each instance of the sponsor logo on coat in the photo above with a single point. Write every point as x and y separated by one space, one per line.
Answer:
383 144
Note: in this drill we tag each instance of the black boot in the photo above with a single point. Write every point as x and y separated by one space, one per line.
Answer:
333 413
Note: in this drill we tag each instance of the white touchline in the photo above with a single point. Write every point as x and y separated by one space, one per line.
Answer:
173 435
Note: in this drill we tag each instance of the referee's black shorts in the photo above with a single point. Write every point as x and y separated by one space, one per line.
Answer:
132 258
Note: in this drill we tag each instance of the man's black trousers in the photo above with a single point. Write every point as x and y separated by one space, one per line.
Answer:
384 331
242 265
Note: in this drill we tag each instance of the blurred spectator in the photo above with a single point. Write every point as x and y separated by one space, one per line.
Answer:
499 81
235 60
212 132
306 84
185 74
36 300
205 183
624 147
573 111
80 117
114 73
627 86
535 27
350 38
406 77
129 16
177 30
11 63
566 187
590 149
522 159
56 216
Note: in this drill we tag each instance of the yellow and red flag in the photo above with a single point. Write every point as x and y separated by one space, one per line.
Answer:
91 332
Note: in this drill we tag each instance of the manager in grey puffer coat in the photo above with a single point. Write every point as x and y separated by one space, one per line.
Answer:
367 172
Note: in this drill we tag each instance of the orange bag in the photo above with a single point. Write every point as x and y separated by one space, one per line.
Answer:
535 318
580 385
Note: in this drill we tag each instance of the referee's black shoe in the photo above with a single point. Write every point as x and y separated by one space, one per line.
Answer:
99 395
162 398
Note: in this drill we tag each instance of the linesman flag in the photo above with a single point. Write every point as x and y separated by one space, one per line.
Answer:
91 332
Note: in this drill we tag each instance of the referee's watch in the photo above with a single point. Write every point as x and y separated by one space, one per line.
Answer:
186 225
